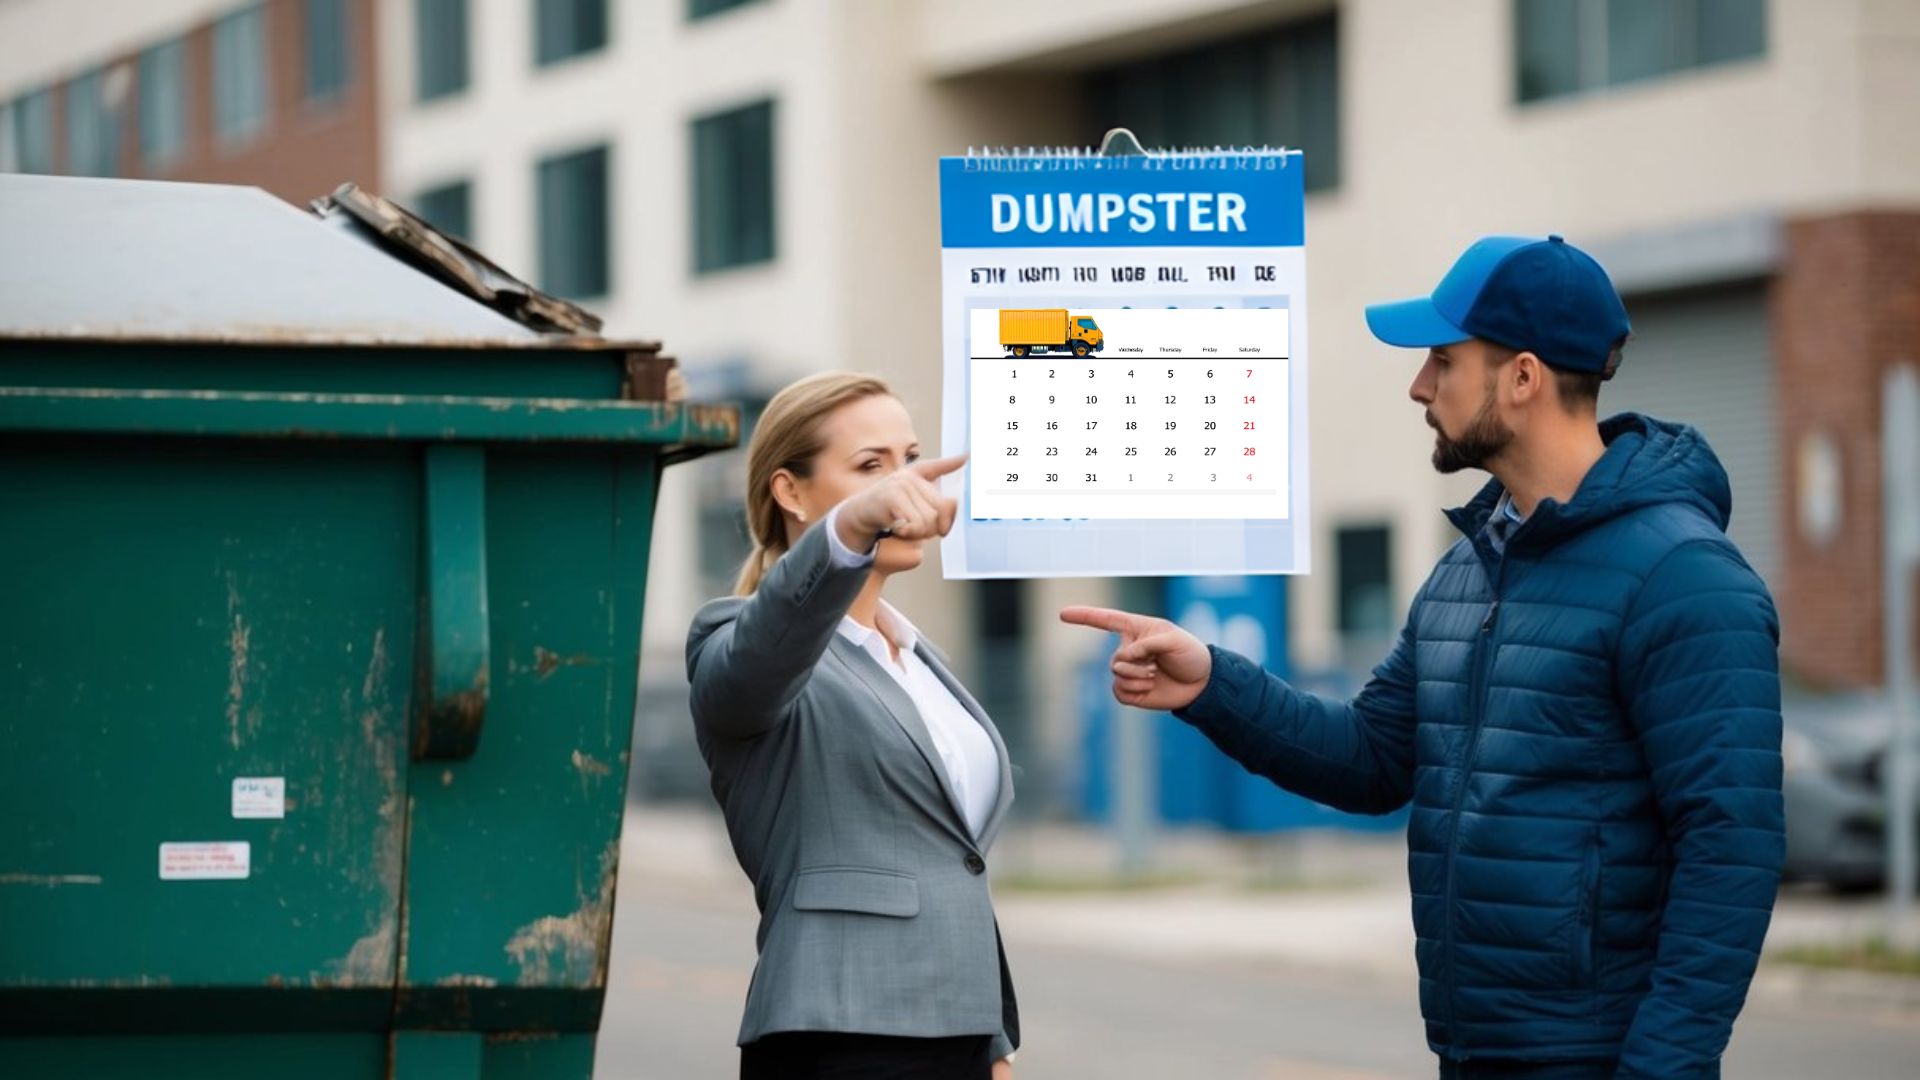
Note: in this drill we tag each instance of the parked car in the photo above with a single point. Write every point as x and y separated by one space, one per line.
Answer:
1835 751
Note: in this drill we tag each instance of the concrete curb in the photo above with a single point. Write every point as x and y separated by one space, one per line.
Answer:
1779 981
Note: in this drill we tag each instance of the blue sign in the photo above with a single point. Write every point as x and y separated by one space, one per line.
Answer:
1229 199
1196 782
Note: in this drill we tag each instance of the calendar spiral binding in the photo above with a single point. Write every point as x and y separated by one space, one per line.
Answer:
1120 149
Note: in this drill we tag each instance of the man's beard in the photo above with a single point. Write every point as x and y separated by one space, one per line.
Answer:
1484 438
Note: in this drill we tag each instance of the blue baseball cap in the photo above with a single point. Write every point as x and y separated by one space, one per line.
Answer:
1546 297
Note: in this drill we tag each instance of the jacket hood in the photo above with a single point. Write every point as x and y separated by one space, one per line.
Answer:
1647 462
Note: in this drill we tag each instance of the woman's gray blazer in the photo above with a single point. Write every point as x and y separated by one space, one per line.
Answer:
875 915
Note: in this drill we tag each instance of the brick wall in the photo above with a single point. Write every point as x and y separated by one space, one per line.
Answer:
1845 307
306 149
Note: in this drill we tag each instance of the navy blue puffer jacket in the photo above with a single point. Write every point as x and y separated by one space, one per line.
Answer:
1588 727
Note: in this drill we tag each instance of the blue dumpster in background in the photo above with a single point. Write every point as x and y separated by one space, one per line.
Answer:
1187 768
1198 784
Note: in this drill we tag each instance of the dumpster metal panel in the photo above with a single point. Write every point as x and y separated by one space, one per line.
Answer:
358 416
222 617
370 609
562 634
566 372
228 1057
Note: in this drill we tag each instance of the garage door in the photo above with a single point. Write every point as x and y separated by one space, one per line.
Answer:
1705 359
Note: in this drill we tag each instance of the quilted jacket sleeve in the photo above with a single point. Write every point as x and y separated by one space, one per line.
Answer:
1351 755
1699 676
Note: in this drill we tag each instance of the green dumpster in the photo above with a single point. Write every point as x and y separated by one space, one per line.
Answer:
323 545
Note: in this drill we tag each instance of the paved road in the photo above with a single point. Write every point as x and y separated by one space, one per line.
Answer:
683 952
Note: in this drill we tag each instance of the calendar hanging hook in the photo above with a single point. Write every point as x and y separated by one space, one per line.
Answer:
1121 142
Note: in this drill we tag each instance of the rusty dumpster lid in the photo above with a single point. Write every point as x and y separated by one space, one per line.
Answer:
153 261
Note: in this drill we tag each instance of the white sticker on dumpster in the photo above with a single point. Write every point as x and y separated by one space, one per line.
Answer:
205 861
259 796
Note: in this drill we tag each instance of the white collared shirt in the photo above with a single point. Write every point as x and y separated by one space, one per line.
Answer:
966 751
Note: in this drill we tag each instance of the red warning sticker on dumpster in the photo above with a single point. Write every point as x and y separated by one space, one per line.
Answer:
212 860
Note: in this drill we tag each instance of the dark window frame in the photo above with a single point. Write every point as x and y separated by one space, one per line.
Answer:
1370 542
1199 96
698 10
236 129
592 278
590 22
721 509
36 106
102 157
147 73
1567 49
440 71
430 205
341 75
735 212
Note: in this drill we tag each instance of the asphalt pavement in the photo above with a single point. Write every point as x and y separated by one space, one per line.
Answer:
1308 979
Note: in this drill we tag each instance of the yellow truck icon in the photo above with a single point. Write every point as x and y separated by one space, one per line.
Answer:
1038 330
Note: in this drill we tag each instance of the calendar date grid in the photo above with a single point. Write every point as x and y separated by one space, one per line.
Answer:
1128 426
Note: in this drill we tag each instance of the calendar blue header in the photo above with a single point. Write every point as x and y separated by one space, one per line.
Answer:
1159 200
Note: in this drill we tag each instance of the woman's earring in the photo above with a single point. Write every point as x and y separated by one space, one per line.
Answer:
803 516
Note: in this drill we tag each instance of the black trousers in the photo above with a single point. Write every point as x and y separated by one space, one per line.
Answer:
831 1055
1527 1070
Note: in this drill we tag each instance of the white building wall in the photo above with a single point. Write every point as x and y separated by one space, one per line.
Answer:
44 41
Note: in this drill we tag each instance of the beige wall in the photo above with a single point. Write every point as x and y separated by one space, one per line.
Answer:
972 37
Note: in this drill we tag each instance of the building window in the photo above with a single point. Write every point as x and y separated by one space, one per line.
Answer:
1364 554
1278 88
1566 47
700 9
725 539
33 149
327 49
448 208
240 74
1143 596
574 215
563 29
733 188
93 127
441 45
1003 678
163 102
725 542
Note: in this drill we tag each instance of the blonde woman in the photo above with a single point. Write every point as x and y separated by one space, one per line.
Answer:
862 785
